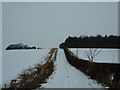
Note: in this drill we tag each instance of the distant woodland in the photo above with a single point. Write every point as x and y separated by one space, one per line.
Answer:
20 46
98 41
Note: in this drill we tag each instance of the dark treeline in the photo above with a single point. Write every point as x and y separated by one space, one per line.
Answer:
98 41
20 46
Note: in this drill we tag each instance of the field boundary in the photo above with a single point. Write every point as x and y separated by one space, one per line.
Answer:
106 73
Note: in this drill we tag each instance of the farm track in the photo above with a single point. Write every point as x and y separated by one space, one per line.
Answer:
34 77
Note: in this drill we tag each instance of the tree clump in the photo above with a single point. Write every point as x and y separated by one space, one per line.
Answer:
19 46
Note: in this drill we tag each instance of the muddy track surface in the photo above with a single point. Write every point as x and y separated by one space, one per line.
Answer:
34 77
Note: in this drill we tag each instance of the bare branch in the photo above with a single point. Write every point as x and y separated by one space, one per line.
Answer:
98 52
92 53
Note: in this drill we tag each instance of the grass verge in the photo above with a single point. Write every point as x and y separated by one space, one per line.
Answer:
106 73
34 77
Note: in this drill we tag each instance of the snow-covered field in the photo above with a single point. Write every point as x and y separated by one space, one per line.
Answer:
66 76
105 56
15 61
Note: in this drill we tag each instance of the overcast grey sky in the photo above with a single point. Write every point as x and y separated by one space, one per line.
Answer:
48 24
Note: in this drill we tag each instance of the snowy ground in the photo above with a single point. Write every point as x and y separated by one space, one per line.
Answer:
105 56
15 61
66 76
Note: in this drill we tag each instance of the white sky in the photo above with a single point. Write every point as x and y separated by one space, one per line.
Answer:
48 24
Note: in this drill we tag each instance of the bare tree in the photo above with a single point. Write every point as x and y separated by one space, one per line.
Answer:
91 53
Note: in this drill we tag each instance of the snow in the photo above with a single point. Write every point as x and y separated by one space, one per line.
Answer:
15 61
66 76
105 56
